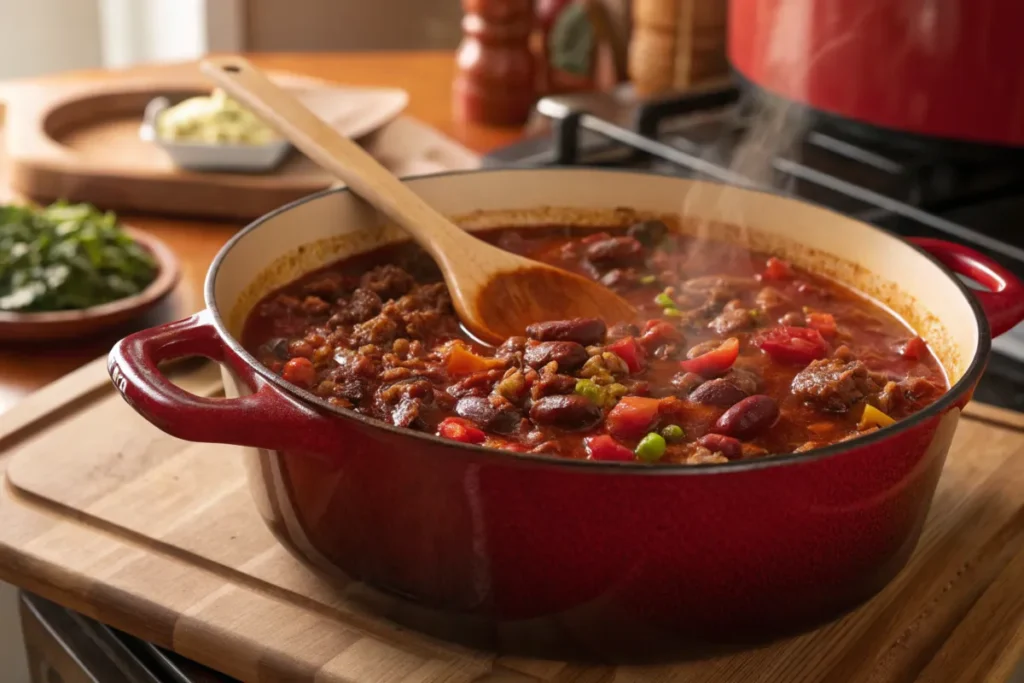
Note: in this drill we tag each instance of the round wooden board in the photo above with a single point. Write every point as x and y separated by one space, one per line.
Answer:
80 141
78 324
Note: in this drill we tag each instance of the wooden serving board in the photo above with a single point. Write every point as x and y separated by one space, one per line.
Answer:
79 140
105 514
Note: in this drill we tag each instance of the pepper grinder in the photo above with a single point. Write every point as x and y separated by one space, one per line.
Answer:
495 82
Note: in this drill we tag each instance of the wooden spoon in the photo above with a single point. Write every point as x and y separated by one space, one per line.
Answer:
496 294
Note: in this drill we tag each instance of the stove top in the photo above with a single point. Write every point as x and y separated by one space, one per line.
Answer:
906 188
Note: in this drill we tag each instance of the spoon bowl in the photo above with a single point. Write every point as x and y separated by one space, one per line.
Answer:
495 293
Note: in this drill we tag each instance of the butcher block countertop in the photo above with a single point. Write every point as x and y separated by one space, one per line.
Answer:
103 513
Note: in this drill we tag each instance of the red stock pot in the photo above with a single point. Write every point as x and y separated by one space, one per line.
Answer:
946 69
711 551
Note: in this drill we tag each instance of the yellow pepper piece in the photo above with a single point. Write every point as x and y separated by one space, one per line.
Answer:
873 417
462 361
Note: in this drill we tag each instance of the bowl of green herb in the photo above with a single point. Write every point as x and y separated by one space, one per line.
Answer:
67 270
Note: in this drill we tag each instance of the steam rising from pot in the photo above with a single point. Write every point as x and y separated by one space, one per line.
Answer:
772 128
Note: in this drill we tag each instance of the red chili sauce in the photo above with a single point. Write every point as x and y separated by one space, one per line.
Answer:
735 354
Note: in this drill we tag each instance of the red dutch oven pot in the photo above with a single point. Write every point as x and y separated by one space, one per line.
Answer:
949 70
714 551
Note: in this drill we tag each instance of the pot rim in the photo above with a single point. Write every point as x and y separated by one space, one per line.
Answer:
950 397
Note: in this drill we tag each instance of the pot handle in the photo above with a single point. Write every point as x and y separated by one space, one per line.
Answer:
264 419
1003 303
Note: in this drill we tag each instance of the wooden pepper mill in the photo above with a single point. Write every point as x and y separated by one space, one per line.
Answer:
496 75
677 44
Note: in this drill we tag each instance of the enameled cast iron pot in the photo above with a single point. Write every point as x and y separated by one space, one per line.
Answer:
940 71
715 550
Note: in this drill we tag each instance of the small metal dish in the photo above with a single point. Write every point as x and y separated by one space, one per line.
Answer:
199 156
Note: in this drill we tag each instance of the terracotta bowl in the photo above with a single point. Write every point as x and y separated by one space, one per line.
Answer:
712 551
58 325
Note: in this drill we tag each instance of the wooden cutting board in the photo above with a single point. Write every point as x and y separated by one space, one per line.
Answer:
158 537
79 140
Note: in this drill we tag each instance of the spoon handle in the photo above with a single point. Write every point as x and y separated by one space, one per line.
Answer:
335 153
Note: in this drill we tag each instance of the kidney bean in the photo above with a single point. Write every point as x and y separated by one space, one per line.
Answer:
748 381
619 278
566 412
615 251
569 355
585 331
718 392
510 347
549 385
726 445
484 414
686 382
748 417
648 233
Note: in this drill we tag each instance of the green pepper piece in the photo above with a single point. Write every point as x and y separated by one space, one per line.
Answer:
590 390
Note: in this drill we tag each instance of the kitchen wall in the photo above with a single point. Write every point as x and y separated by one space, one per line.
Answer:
58 35
310 25
41 36
46 36
137 31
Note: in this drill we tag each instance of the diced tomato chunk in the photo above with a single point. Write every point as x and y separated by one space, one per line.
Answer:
914 349
457 429
714 362
822 322
777 269
633 416
630 351
606 448
299 371
793 345
658 332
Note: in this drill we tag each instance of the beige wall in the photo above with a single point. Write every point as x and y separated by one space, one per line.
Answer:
44 36
322 25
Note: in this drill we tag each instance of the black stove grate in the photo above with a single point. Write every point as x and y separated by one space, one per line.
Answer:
910 191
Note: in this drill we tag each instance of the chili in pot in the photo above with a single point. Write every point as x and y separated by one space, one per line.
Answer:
738 354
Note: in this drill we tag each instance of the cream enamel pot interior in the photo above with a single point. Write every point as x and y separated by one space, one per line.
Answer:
749 547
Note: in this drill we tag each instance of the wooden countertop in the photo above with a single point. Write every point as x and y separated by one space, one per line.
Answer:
426 76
